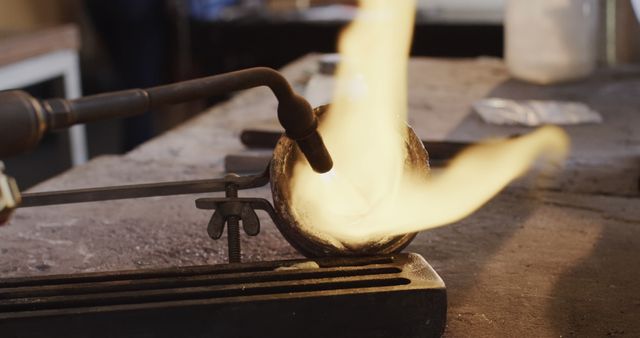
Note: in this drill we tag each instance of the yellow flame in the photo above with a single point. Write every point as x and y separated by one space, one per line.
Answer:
370 195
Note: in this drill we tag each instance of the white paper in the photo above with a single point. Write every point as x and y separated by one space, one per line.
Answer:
535 112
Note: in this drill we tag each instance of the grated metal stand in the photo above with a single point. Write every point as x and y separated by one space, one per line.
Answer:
383 296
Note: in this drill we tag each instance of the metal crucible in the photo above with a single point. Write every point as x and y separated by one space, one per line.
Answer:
285 156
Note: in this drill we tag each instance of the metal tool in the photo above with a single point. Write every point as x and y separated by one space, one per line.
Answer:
385 296
230 211
141 190
24 119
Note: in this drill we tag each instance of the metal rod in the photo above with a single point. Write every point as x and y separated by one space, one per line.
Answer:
140 191
65 113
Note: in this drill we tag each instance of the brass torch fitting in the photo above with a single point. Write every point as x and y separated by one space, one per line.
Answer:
9 196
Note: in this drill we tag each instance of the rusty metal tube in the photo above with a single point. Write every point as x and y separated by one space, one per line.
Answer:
24 120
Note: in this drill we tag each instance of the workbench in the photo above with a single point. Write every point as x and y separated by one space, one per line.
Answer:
548 257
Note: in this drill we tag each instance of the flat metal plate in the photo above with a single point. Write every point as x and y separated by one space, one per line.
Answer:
384 296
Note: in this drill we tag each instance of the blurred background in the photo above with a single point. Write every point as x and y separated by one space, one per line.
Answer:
119 44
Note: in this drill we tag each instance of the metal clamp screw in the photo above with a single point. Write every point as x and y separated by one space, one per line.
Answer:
231 210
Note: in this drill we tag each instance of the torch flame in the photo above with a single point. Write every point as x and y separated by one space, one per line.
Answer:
370 195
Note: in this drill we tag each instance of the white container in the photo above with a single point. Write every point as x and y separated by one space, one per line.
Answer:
548 41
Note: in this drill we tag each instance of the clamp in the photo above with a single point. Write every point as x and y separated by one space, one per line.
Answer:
230 210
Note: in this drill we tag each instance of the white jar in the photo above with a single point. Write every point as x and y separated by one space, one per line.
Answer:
548 41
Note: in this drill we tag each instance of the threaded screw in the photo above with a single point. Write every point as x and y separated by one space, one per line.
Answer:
233 226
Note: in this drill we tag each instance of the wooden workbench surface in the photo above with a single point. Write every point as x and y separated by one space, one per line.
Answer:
561 259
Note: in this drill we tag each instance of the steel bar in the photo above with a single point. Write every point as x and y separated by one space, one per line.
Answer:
140 190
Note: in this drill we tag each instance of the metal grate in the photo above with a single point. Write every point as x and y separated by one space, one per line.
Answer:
85 304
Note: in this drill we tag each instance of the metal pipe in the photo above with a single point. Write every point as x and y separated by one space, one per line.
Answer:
24 120
36 199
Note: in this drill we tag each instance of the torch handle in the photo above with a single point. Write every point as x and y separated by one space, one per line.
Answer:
63 113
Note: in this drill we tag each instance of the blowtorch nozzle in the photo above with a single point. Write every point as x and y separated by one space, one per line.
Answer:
316 152
301 125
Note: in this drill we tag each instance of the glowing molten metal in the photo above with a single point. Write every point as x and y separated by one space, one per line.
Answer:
370 195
